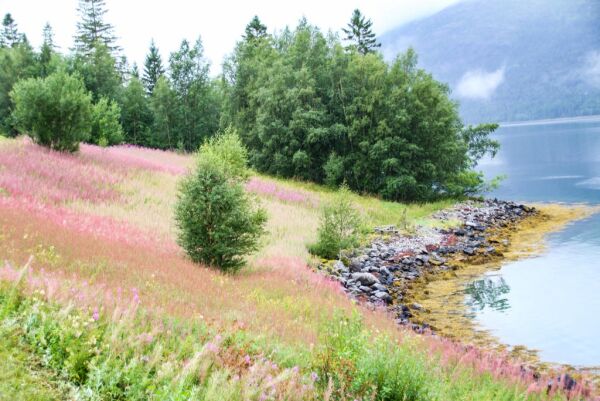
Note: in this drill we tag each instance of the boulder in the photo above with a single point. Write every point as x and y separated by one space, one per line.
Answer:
365 278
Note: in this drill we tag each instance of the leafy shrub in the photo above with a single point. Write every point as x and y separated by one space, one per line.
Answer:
339 227
106 128
369 368
56 111
226 150
219 223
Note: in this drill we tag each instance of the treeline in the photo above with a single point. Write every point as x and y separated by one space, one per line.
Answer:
306 104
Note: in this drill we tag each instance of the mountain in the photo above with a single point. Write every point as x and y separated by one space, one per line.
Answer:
511 60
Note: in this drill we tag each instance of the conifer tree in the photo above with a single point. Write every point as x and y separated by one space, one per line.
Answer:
255 29
92 29
46 51
10 35
359 33
153 68
135 71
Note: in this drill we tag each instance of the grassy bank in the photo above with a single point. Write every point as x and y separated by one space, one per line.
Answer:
114 310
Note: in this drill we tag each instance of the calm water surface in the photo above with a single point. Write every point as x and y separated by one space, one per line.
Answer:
552 302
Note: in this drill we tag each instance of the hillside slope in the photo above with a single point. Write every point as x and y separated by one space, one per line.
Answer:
509 60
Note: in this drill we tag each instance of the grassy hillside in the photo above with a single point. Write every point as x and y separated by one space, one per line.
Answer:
110 308
545 54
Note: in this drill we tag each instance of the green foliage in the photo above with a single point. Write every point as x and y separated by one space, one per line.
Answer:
9 36
226 151
339 226
106 128
136 114
92 30
198 115
99 71
309 109
360 34
56 111
218 221
380 370
16 63
153 68
164 108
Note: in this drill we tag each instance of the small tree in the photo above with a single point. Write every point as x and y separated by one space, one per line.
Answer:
106 128
56 111
360 34
219 223
153 68
339 227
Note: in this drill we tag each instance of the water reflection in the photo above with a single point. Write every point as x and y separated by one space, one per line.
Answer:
551 302
488 292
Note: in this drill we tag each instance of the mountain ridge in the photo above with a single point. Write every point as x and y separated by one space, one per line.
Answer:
509 60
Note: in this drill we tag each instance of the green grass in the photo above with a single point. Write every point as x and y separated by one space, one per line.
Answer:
135 356
376 211
21 375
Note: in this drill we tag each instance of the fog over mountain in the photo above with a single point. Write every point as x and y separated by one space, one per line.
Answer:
509 60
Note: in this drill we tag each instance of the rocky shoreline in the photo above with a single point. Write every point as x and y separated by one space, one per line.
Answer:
396 262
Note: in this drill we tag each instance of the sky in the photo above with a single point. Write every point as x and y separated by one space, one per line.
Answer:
220 23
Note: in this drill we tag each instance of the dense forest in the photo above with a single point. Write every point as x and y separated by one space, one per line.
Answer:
306 104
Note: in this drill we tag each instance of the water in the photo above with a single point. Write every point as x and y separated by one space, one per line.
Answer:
551 302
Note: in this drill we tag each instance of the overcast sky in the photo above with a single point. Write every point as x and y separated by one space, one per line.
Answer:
220 23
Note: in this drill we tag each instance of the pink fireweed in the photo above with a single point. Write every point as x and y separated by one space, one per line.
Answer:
262 187
130 156
33 172
101 227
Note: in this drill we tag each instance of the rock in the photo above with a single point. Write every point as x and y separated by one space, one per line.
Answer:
469 251
417 306
379 287
365 278
384 296
364 288
339 266
355 265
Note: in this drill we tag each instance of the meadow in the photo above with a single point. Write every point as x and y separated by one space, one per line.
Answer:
99 302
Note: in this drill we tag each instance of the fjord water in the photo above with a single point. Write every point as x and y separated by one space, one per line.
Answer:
551 302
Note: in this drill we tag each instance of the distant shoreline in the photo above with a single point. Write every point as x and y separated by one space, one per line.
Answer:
561 120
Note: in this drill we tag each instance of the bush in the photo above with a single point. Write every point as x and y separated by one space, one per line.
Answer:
339 227
56 111
218 221
226 150
106 128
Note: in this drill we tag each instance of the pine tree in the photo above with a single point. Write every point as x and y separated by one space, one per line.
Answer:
255 29
135 71
10 35
153 68
360 34
92 30
46 51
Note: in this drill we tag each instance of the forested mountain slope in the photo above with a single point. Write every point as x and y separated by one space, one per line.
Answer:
509 60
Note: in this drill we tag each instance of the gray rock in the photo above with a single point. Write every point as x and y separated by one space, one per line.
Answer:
365 278
364 288
379 287
339 266
469 251
384 296
417 306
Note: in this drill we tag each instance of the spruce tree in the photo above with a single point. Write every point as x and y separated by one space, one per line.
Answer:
359 33
46 51
135 71
10 35
153 68
92 29
255 29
